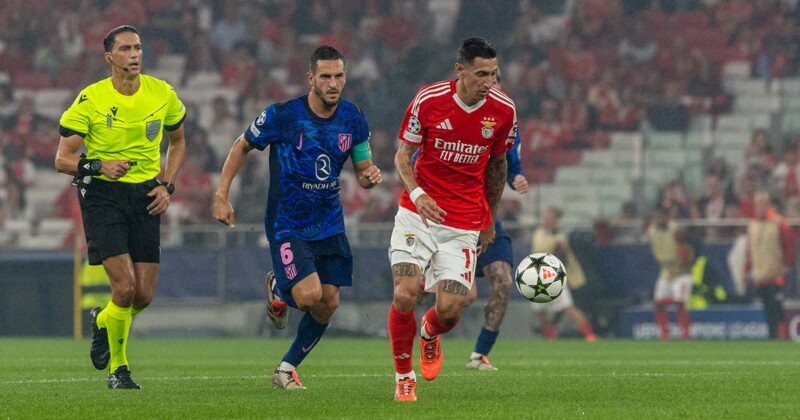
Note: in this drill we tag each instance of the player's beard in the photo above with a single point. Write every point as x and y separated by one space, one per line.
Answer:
328 104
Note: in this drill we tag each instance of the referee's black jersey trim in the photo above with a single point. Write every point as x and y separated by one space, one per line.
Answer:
66 132
175 126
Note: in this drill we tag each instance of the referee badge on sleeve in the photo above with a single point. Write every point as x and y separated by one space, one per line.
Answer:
152 129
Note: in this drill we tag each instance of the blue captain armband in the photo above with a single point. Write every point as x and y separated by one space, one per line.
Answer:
362 152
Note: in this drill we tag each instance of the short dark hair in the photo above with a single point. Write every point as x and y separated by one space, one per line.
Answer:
325 52
108 41
475 47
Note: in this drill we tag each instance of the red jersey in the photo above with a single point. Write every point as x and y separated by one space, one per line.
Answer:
455 141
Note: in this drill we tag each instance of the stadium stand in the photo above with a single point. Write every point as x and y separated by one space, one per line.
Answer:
613 105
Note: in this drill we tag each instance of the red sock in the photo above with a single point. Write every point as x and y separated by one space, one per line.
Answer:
435 326
684 320
586 329
402 330
783 331
662 320
549 331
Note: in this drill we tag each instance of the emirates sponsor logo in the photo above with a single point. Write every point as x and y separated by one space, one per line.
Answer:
458 151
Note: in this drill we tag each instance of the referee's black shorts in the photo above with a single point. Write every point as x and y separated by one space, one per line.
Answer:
116 221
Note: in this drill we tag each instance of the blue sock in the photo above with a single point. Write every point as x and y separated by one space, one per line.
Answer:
485 341
308 334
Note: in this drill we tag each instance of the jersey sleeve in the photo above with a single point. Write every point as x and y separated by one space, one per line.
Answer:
412 130
507 134
362 133
176 112
512 157
75 120
264 130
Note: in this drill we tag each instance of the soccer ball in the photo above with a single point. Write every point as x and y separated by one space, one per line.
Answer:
540 277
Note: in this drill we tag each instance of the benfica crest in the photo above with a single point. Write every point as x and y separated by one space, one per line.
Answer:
488 124
345 141
409 238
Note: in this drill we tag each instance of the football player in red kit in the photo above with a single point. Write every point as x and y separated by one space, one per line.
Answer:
462 128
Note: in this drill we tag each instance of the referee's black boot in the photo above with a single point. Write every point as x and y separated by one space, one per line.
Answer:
121 379
99 353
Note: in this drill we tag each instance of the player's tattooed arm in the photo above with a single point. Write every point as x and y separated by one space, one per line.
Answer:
455 288
495 183
495 180
402 161
426 205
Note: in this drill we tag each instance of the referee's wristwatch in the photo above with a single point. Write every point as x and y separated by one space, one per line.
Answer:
169 186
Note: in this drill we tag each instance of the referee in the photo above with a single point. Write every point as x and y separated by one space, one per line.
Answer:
120 120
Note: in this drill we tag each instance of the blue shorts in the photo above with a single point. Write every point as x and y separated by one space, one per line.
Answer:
499 250
295 259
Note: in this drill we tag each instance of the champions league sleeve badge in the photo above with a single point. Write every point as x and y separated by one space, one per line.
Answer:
414 125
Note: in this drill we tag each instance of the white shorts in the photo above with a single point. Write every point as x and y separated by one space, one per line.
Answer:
677 290
563 301
441 252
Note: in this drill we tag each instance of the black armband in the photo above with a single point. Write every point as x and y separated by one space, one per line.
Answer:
89 167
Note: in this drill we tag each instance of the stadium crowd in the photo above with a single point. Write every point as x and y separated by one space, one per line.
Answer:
577 70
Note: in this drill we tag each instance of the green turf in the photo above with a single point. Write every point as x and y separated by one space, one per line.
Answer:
349 378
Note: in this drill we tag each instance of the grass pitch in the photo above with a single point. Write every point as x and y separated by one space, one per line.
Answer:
353 378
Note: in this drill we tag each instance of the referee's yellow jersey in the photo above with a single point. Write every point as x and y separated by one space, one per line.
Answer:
119 127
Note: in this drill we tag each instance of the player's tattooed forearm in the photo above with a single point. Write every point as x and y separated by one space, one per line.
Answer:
455 288
404 270
405 168
495 179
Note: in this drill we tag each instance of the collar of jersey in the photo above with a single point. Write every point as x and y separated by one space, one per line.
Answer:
468 109
313 114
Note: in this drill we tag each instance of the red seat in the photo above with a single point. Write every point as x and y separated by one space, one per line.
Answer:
684 20
35 81
540 175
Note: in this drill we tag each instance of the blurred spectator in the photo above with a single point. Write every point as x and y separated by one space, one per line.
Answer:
627 225
547 131
676 201
201 60
669 114
195 190
770 256
8 104
638 47
575 112
19 174
6 237
577 63
604 99
729 14
221 126
772 61
239 70
745 44
712 204
758 157
675 257
68 207
550 239
230 30
786 179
